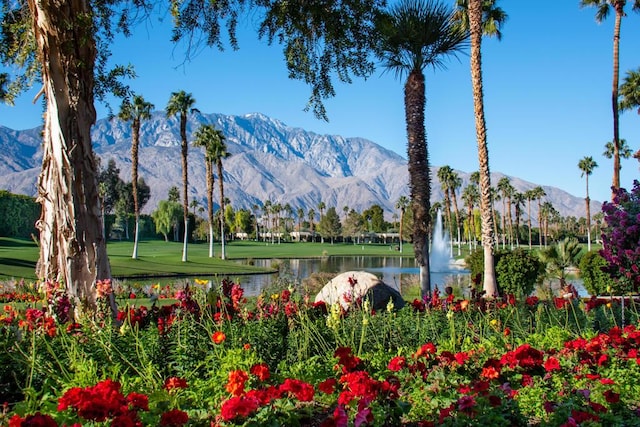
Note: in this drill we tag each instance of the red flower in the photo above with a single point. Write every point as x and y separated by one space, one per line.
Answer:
36 420
235 384
397 363
490 373
466 404
218 337
303 391
174 383
327 386
348 361
551 364
611 396
238 407
138 401
261 371
174 418
428 348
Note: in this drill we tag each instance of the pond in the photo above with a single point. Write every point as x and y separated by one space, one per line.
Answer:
393 270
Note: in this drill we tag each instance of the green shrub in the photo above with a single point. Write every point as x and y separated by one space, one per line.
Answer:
517 272
596 281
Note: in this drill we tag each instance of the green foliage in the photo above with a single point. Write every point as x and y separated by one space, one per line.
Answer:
19 214
596 281
517 272
329 225
166 216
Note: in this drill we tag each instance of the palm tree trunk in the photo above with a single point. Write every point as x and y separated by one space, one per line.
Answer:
221 183
209 172
614 100
419 180
185 183
475 23
72 245
588 202
529 219
134 182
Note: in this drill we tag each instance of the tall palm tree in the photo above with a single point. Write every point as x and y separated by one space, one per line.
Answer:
444 176
506 189
455 182
207 136
181 104
416 34
482 17
587 165
624 152
402 204
470 196
603 9
539 193
630 95
135 111
311 215
518 200
529 195
220 152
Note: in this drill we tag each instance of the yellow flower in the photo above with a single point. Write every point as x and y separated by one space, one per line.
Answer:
201 282
494 322
275 296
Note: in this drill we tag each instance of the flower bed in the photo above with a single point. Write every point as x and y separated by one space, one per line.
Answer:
215 359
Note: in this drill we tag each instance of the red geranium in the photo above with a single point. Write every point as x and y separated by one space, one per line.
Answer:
238 407
303 391
174 418
235 384
218 337
261 371
174 383
328 386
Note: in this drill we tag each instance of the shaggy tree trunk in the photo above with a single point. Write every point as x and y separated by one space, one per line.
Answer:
72 245
419 179
475 24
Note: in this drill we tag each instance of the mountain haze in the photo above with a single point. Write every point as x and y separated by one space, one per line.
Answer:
269 161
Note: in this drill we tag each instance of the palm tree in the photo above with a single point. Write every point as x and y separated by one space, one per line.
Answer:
402 204
604 7
587 165
135 112
311 215
518 200
470 196
624 151
180 104
482 17
630 95
444 176
529 195
218 153
416 34
538 194
207 136
506 190
321 207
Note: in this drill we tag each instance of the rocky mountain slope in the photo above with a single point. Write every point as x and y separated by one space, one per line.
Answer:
269 161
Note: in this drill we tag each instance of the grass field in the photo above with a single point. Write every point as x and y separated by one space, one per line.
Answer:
157 258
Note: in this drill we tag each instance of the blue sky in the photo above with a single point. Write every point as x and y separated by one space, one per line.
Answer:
547 94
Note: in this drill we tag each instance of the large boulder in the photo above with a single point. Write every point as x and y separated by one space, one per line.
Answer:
347 288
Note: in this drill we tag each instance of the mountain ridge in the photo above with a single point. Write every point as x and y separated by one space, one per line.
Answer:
269 161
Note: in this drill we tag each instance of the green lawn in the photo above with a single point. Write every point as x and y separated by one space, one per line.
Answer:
158 258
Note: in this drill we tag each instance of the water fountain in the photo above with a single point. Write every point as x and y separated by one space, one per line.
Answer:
440 254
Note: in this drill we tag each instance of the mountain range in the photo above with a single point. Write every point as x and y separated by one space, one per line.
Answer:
269 161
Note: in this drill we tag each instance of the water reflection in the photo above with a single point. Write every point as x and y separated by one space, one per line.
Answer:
391 270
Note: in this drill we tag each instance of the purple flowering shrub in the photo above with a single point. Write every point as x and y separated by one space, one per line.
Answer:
621 238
